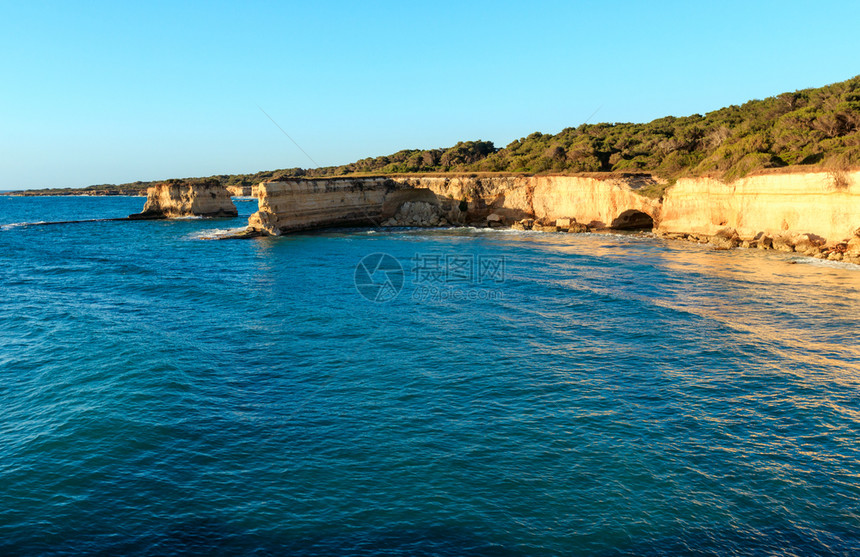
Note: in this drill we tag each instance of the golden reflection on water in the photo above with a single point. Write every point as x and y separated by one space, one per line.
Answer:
721 286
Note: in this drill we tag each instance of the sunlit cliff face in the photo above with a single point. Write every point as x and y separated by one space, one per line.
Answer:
178 200
299 204
811 203
818 203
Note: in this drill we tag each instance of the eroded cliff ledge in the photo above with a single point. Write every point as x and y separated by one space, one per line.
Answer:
295 205
182 199
815 213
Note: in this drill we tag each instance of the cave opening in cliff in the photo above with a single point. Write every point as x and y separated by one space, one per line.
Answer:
633 220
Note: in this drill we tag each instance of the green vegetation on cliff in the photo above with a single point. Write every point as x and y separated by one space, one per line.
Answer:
808 128
819 127
132 188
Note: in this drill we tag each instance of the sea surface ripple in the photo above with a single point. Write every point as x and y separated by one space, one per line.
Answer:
603 395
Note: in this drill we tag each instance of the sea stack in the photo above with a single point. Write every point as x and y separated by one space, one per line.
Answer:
187 198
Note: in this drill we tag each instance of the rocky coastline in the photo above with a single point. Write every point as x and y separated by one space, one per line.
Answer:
815 214
810 245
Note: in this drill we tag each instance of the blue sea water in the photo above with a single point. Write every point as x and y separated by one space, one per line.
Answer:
523 394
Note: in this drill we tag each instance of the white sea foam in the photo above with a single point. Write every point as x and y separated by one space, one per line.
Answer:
826 263
12 225
214 233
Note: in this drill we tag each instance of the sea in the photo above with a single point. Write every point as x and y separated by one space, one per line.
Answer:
453 391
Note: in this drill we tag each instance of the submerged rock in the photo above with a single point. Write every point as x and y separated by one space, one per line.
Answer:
672 235
243 234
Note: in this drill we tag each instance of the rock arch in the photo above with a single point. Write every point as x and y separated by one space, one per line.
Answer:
633 220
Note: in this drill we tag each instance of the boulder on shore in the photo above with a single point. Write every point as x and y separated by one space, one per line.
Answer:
524 224
808 244
765 242
727 238
783 242
495 220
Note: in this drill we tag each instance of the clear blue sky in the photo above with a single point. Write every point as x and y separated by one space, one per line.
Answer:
112 92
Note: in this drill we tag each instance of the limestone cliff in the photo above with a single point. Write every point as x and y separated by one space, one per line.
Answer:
171 200
814 213
610 203
307 204
296 205
820 203
240 191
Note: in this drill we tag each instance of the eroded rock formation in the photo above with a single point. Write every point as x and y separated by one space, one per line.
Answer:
814 213
297 205
182 199
240 191
308 204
